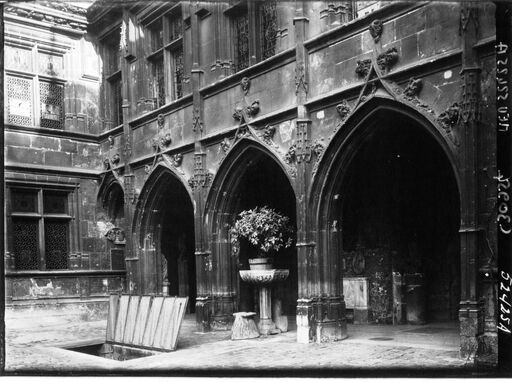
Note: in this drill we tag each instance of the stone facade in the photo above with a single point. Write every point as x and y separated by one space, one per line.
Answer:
200 110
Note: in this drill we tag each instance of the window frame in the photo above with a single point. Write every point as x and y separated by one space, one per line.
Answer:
36 78
42 217
113 77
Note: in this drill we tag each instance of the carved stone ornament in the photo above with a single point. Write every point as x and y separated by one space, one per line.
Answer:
268 134
238 113
376 28
343 109
254 108
291 154
106 163
62 22
387 59
318 148
116 235
300 78
147 169
363 67
413 87
116 159
245 84
111 140
197 125
225 145
450 117
177 159
160 120
165 139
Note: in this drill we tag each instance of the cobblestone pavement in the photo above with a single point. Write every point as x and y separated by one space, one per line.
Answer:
34 345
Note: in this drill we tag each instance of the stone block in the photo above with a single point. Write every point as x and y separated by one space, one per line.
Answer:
47 143
24 155
409 51
95 260
56 158
361 316
16 139
68 146
426 43
410 23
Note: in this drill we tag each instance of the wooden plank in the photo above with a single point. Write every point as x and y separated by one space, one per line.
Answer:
113 304
174 323
141 320
179 321
121 318
133 307
163 322
154 315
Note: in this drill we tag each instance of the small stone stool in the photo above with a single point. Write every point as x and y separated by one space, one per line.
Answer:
244 326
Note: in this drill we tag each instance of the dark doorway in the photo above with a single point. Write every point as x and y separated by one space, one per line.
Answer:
400 219
264 183
172 222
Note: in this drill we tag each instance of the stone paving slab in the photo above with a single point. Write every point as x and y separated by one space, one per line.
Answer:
35 347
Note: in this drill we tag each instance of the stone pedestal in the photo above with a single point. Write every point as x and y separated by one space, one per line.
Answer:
263 279
244 326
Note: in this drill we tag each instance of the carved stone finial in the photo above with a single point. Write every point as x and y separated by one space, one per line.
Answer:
376 28
245 84
387 59
343 109
160 120
363 67
413 87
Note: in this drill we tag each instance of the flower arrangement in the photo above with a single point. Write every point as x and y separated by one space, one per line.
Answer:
264 228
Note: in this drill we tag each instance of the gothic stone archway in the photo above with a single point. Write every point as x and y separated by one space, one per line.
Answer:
249 177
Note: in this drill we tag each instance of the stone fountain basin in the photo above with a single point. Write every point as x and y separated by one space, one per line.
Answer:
264 276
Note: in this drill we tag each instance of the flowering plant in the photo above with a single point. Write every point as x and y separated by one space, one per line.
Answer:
264 228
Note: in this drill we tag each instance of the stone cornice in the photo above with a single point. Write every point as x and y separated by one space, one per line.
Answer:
43 14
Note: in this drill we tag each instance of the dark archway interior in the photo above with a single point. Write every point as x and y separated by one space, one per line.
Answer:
174 228
400 211
263 183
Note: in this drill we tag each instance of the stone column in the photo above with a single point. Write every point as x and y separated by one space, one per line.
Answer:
199 183
471 307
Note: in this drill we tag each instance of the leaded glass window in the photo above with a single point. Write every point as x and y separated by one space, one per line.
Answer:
177 55
39 236
51 96
159 79
175 27
241 23
19 105
56 244
25 246
268 25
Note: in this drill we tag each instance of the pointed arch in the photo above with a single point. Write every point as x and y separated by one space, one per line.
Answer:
351 134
